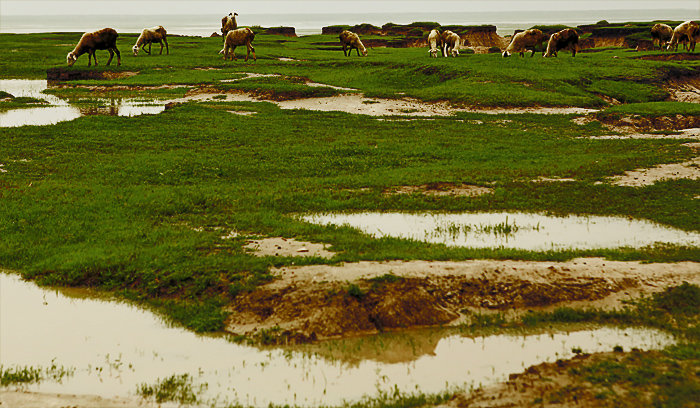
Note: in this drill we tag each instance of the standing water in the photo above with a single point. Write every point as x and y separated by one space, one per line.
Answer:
113 347
59 110
526 231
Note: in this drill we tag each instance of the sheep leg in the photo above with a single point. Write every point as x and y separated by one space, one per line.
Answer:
111 55
94 56
233 52
345 47
90 59
149 48
250 48
358 51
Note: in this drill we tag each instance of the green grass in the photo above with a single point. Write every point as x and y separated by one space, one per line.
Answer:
33 375
138 206
176 388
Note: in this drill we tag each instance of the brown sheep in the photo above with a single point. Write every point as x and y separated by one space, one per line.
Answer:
450 43
228 23
105 39
234 38
689 29
149 36
660 33
567 37
435 42
350 40
523 41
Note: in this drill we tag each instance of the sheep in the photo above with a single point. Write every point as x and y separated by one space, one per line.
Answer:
228 23
149 36
350 40
689 29
660 33
435 42
234 38
522 41
105 39
567 37
450 43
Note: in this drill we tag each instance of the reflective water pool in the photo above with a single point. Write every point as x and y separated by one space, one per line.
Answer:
113 347
527 231
60 110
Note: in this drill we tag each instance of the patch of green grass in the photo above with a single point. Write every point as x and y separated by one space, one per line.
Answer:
656 109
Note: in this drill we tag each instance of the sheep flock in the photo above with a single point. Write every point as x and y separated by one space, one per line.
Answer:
446 43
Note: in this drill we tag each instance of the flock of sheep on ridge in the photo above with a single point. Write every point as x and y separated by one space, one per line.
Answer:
446 43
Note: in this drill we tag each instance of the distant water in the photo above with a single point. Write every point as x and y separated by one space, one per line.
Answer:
307 24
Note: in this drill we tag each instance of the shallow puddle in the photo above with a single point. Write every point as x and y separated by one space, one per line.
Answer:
511 230
113 347
60 110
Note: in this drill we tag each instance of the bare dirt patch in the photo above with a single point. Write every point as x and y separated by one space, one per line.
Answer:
684 89
27 399
441 190
551 383
671 57
640 124
287 247
674 171
321 301
65 74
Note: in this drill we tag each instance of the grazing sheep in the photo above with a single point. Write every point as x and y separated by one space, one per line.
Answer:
228 23
567 37
149 36
435 42
450 43
660 33
350 40
689 29
523 41
105 39
234 38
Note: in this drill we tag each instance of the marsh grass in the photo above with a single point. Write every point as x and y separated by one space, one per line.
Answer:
176 388
26 375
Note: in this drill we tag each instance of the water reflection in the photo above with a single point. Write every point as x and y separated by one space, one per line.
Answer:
60 110
114 347
527 231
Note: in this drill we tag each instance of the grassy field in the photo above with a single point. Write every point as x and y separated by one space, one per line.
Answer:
139 205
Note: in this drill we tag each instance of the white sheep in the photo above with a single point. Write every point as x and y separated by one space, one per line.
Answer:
450 43
435 42
234 38
661 33
350 40
566 38
105 39
149 36
523 41
228 23
689 29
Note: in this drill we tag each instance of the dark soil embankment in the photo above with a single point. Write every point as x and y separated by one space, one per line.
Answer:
320 302
68 74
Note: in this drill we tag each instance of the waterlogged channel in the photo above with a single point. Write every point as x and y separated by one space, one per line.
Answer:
113 347
59 110
527 231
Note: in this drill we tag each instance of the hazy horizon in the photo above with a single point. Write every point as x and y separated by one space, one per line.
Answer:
184 7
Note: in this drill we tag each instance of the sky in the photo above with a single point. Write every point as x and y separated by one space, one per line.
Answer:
184 7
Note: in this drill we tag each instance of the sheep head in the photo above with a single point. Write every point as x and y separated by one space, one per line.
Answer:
71 58
505 54
135 49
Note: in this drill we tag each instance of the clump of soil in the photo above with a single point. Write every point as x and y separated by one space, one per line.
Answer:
441 189
314 302
65 74
287 247
636 124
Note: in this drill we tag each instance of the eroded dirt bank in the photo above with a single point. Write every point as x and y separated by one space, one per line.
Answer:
318 302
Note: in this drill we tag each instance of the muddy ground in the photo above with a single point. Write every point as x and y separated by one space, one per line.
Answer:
316 302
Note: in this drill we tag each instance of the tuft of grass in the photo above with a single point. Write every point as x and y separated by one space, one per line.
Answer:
176 388
33 375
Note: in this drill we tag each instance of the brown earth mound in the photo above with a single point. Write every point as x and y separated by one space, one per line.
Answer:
67 74
634 123
671 57
321 301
